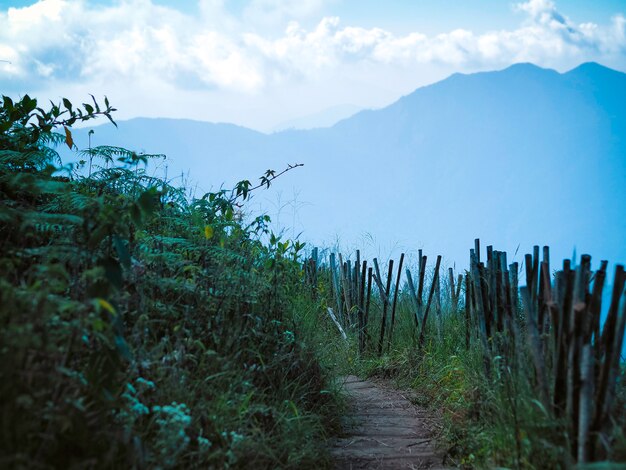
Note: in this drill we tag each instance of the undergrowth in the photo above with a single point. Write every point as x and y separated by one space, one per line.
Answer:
140 329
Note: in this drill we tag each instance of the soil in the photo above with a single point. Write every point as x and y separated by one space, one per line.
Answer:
384 430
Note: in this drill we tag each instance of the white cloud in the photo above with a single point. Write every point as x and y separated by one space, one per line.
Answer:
271 15
142 46
541 11
72 40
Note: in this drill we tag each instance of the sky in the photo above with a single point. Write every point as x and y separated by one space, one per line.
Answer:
258 63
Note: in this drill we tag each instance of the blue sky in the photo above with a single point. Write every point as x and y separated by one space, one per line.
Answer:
407 15
260 62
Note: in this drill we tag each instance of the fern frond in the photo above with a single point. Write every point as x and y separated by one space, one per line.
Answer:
71 202
36 159
51 138
38 217
108 153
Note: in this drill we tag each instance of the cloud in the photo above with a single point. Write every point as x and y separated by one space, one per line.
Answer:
275 13
542 12
545 37
133 40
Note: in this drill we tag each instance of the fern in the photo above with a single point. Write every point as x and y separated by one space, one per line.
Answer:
109 154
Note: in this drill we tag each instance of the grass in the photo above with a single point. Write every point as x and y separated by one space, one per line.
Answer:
490 419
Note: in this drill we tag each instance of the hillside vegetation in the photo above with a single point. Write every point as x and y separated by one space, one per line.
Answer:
141 329
145 328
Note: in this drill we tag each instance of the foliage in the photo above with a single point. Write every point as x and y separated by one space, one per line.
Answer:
139 329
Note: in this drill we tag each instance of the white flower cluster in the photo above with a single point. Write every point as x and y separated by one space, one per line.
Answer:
173 421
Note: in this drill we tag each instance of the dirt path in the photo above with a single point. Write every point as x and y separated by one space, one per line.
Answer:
384 431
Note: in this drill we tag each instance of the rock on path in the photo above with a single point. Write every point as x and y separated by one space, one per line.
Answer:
384 430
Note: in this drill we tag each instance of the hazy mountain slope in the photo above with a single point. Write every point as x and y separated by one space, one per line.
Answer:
189 145
520 156
325 118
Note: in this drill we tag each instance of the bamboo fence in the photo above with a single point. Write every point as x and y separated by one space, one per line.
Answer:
554 322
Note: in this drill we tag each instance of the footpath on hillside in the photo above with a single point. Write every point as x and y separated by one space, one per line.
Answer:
384 430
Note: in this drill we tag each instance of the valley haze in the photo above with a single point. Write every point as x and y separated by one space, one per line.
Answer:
515 157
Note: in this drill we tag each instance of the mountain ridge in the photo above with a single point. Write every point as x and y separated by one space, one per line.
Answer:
498 155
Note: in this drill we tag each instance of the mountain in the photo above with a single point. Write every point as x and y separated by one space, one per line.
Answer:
517 157
325 118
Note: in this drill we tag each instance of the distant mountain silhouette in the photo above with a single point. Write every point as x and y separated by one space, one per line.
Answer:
516 157
325 118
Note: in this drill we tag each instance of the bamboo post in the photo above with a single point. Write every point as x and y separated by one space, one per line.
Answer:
335 282
367 302
490 278
438 315
614 365
383 322
453 299
337 324
468 320
530 309
395 300
477 249
576 313
457 295
420 287
586 403
413 296
513 270
595 309
357 278
612 337
430 297
361 307
564 303
346 289
479 307
544 283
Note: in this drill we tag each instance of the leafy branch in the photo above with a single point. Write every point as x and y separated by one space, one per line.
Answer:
243 188
23 122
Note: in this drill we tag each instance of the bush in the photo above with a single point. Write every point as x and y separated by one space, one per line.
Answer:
140 329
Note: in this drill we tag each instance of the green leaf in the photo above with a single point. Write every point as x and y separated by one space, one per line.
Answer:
135 214
95 103
122 347
68 137
98 235
122 251
7 103
110 119
29 104
98 324
113 271
102 303
148 200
